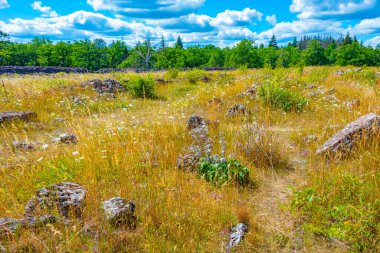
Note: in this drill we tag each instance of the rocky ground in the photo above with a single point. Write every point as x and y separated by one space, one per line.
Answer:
205 166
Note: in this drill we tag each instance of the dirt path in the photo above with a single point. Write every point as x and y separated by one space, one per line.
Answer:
281 231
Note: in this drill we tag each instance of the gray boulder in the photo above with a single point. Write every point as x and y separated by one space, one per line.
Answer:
346 138
25 146
237 235
195 121
9 226
237 110
119 212
67 197
12 116
65 138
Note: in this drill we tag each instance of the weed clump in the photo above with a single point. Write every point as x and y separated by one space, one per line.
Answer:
257 144
171 74
220 171
281 98
195 75
142 87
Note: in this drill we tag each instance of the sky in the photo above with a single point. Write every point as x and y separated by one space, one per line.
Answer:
218 22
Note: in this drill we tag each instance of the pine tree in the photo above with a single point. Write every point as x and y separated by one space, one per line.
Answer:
295 42
273 42
162 44
347 40
179 43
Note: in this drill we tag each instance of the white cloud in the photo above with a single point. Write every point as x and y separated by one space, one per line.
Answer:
152 9
329 8
368 26
271 19
78 25
285 30
237 18
45 10
4 4
373 42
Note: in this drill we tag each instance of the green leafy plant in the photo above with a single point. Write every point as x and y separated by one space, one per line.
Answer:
195 75
171 74
142 87
222 172
282 98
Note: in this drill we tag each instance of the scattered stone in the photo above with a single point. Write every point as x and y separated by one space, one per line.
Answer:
120 212
352 103
25 146
250 92
9 226
339 73
237 235
345 139
331 91
189 161
161 81
106 86
195 121
377 74
237 110
206 79
215 101
11 116
66 138
66 197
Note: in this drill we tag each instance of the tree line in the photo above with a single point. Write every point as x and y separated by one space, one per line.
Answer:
149 54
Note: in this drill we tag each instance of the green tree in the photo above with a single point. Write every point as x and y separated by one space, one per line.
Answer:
179 43
273 42
314 54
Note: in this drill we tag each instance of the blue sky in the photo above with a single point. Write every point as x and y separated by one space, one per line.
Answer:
219 22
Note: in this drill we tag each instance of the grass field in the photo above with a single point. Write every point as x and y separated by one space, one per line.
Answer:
128 147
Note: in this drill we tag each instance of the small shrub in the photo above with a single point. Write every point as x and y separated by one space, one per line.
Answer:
281 98
221 172
171 74
195 75
142 87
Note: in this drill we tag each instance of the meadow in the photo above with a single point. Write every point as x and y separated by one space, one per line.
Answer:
128 146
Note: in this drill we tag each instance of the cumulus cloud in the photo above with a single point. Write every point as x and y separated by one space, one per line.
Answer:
79 25
284 30
331 8
237 18
152 9
271 19
45 10
3 4
373 42
368 26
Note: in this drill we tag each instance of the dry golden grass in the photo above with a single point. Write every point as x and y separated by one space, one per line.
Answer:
128 147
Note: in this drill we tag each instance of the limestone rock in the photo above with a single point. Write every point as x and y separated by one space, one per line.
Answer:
10 225
66 138
25 146
250 92
237 235
119 211
352 133
67 197
106 86
11 116
237 110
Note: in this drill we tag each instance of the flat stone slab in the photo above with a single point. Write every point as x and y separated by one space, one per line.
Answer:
67 197
11 116
351 134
